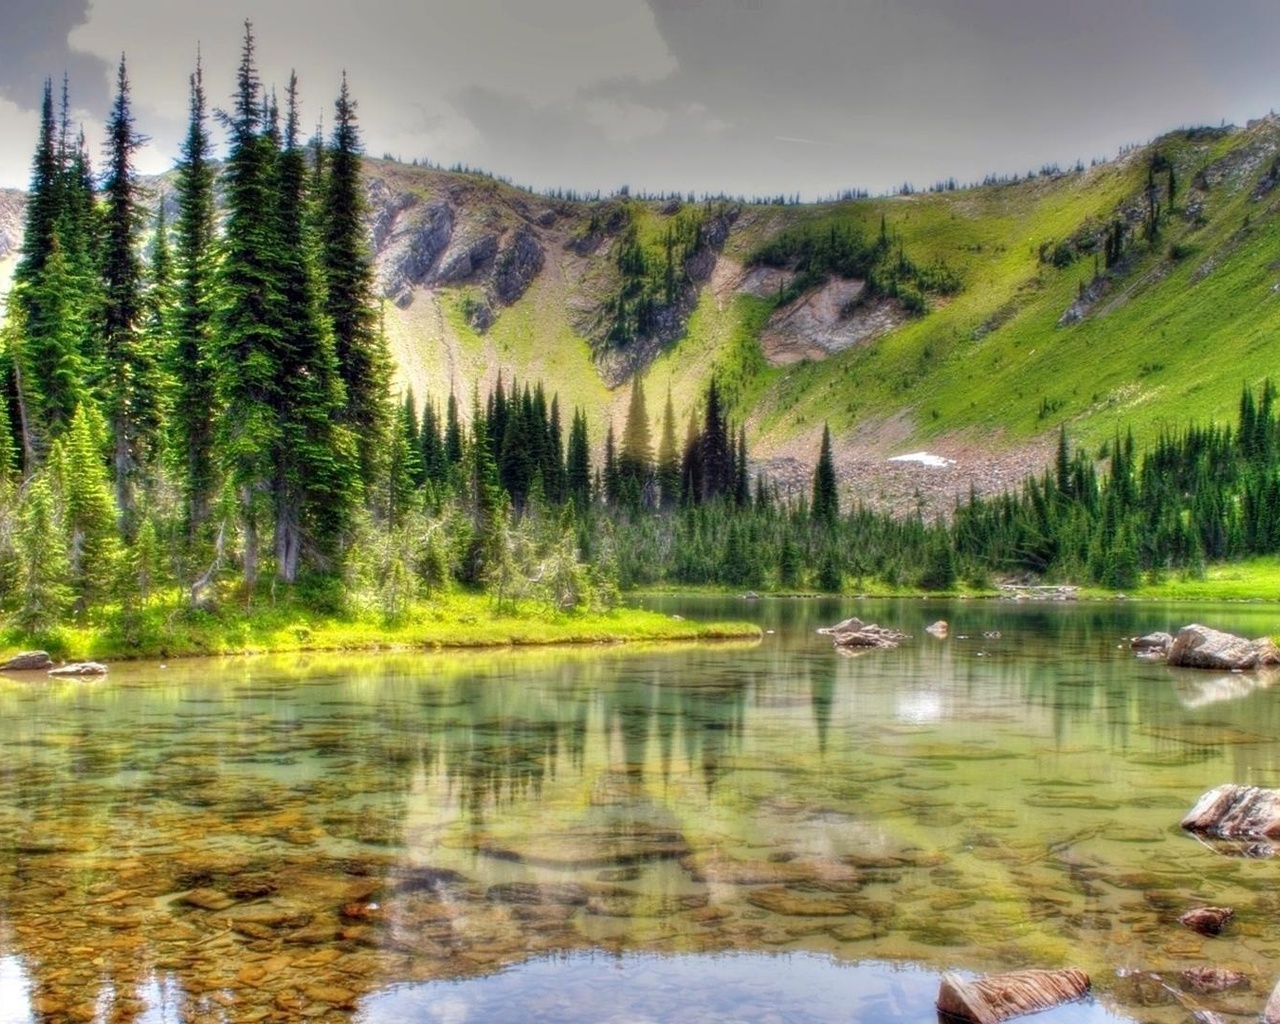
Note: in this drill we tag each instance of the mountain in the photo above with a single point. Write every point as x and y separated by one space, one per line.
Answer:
969 323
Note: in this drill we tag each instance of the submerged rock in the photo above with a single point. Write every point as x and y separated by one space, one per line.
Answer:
1205 980
80 668
28 661
1198 646
1207 920
1157 643
998 997
1236 812
1271 1012
853 632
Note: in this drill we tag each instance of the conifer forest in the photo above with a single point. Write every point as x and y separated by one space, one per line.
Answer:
199 409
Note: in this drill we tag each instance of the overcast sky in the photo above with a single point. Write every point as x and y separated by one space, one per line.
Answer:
757 97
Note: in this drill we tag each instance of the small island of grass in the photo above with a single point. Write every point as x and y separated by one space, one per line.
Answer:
454 620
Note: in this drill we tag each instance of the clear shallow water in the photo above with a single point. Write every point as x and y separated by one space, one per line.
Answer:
743 831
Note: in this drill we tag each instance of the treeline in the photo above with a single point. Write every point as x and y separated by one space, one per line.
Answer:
815 254
218 406
202 410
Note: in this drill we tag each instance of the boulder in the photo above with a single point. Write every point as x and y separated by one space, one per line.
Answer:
80 668
1154 643
28 661
1271 1012
998 997
1207 980
842 627
869 635
940 629
1236 812
1207 920
1198 646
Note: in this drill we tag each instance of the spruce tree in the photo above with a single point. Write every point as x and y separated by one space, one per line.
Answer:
635 460
578 462
43 569
363 361
249 329
195 400
130 377
313 462
668 467
826 502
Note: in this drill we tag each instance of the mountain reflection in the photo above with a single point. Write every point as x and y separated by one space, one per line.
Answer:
280 838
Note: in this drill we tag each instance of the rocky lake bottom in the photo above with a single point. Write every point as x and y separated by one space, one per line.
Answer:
766 832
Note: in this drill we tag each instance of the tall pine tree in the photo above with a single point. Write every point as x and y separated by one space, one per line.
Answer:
363 360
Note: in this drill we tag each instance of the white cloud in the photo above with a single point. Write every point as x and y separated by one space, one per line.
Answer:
406 63
625 122
16 125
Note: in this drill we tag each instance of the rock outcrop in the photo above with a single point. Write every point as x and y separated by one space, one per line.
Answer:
28 661
853 632
1207 920
1236 812
80 668
1157 643
998 997
1198 646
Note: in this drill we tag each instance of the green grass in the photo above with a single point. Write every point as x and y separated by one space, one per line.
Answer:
1187 321
459 620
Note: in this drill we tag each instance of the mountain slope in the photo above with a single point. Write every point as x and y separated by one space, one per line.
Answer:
1041 333
973 323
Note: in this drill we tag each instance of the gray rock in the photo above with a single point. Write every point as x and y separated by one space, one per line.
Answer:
519 262
1271 1012
1236 812
80 668
412 246
464 259
1198 646
28 661
1153 642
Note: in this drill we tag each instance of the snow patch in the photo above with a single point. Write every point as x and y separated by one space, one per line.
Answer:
925 459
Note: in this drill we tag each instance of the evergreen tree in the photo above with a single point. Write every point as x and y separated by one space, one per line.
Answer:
578 461
315 473
716 449
668 469
452 433
131 382
195 399
612 477
826 501
635 461
249 328
88 511
363 361
43 569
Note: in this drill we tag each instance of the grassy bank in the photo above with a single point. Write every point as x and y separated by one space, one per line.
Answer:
458 620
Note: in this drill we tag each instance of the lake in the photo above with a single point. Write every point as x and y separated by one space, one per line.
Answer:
768 832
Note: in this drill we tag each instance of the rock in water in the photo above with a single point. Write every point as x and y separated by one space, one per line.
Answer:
938 629
1158 642
80 668
28 661
998 997
1271 1012
1207 920
1198 646
1236 812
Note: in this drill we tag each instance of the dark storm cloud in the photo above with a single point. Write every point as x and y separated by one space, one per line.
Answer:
33 47
746 96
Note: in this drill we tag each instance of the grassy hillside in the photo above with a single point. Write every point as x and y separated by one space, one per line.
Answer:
1187 314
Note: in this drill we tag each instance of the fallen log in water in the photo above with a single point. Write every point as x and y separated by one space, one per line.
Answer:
997 997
